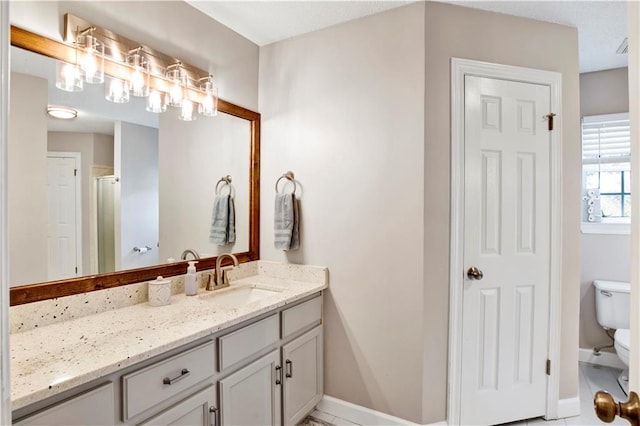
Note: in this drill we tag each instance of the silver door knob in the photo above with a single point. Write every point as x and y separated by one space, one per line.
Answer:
475 274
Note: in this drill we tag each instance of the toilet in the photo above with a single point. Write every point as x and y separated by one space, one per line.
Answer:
612 312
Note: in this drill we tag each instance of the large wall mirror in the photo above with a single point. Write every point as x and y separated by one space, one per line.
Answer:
118 194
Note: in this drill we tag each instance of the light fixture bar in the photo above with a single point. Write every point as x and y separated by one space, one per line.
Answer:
117 47
63 52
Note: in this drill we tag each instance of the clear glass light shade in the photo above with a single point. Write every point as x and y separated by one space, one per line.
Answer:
117 91
187 111
209 104
177 83
91 59
139 75
68 77
156 102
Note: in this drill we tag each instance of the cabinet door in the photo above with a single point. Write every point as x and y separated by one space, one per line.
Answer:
303 369
251 396
199 409
94 407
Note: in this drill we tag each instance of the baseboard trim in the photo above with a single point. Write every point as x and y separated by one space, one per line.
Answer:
606 359
569 407
359 414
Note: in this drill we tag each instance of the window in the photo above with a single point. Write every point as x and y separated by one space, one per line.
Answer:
606 173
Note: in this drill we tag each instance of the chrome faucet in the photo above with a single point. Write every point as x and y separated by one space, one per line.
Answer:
220 279
191 252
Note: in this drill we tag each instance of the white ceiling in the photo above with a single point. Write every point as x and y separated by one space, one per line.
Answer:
265 22
601 24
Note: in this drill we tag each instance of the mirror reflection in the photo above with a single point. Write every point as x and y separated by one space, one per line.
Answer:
117 187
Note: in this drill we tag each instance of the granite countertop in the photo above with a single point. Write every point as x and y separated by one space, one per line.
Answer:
56 357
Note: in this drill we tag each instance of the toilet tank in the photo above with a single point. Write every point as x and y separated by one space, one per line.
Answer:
612 303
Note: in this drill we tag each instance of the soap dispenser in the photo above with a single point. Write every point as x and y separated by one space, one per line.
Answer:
191 279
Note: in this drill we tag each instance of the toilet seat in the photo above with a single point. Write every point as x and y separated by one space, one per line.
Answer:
622 339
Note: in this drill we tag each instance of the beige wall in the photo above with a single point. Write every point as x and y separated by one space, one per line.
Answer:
343 109
603 256
208 149
604 92
453 31
173 27
102 150
27 202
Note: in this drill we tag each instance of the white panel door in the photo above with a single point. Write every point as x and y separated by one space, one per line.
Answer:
62 224
506 236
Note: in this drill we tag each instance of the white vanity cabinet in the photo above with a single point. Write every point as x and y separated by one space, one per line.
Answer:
303 376
197 410
267 370
252 395
283 386
92 407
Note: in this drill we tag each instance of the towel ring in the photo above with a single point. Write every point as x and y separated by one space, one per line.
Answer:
225 180
290 177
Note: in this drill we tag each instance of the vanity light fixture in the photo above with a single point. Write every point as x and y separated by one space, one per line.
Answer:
117 91
209 104
156 102
187 111
177 81
91 56
139 77
61 112
68 77
133 71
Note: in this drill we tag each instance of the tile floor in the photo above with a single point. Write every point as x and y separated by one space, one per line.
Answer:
592 379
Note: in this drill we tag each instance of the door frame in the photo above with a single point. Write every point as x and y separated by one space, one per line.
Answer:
460 68
77 156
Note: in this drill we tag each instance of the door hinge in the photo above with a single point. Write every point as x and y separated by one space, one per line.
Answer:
550 120
548 367
75 172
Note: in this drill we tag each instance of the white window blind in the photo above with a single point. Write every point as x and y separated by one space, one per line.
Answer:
606 139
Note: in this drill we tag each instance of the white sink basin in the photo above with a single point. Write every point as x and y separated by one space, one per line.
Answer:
238 296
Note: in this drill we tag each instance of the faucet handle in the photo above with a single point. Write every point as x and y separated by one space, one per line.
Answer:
224 276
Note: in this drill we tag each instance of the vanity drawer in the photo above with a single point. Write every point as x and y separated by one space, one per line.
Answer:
93 407
243 343
145 388
302 316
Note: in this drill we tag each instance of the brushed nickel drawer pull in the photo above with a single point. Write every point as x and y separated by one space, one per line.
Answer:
278 375
212 416
184 373
289 365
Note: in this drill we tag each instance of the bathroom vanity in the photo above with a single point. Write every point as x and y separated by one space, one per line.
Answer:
248 354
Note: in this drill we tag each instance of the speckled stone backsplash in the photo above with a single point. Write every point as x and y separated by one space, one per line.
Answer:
39 314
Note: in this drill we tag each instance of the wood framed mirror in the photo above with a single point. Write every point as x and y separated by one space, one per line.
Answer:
32 292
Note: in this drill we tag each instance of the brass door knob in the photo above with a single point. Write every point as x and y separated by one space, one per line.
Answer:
474 273
606 408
